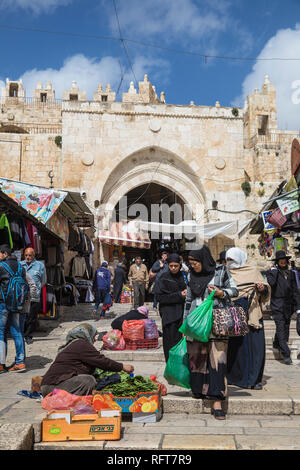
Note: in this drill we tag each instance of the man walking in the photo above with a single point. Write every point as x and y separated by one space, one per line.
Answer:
139 279
36 270
119 281
101 288
13 293
285 300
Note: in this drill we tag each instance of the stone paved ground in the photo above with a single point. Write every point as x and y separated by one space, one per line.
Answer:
267 419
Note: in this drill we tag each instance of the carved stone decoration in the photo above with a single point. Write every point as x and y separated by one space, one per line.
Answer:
220 163
87 159
155 125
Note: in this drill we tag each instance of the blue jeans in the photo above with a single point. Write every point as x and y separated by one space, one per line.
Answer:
15 323
102 296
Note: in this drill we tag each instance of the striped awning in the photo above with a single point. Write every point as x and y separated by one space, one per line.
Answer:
119 235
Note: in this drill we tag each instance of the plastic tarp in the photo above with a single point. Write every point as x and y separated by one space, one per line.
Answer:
191 228
38 201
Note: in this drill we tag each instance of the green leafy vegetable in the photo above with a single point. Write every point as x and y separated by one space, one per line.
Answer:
129 386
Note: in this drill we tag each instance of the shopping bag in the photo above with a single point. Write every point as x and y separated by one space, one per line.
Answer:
198 324
63 400
177 370
113 340
133 329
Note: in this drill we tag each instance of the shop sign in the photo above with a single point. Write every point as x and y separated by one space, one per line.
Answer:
267 225
288 205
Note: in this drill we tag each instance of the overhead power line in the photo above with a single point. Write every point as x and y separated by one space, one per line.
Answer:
146 44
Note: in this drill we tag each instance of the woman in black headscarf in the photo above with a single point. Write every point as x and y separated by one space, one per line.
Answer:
170 291
208 361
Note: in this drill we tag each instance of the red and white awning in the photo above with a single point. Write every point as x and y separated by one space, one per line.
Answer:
121 234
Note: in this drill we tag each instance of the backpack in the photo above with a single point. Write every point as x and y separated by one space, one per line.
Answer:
17 289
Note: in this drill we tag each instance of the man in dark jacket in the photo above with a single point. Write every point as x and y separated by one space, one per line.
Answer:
119 281
285 300
8 319
101 289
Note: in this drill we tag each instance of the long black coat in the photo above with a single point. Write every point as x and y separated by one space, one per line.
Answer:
119 281
168 293
285 297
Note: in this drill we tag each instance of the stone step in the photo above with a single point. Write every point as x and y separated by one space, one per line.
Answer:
157 355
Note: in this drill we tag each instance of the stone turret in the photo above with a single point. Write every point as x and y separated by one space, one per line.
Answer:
13 91
74 94
106 95
44 95
147 93
260 111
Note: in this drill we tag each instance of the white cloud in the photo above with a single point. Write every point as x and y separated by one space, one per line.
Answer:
169 18
35 6
89 72
283 74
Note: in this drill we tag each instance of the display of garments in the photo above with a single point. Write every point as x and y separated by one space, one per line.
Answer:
79 268
5 233
51 255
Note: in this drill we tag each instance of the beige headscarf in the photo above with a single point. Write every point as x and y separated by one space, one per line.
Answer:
246 277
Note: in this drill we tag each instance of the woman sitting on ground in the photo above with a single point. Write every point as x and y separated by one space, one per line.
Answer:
140 313
76 361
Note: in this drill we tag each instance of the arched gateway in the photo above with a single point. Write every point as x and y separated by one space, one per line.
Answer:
154 165
157 186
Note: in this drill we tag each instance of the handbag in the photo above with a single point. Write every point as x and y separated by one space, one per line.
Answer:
230 321
276 218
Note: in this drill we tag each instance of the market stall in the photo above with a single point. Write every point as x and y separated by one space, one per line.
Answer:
278 222
38 217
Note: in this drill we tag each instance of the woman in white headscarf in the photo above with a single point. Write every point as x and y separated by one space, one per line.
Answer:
246 354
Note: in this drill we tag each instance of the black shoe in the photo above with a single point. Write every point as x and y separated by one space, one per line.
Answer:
287 361
218 414
197 396
257 387
29 340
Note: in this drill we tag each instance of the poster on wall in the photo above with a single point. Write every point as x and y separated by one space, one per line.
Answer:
267 225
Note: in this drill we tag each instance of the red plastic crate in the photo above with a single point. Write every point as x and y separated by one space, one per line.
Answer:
141 343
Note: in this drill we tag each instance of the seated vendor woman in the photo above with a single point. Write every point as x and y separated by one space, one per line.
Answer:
75 363
140 313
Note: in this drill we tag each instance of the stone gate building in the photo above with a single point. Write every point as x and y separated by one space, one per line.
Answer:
194 154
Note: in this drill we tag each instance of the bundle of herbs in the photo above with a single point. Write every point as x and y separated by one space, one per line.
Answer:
129 386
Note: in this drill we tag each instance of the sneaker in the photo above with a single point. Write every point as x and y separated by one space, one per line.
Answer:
2 369
17 368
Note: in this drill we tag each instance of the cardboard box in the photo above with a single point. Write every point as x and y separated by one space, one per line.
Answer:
146 402
65 426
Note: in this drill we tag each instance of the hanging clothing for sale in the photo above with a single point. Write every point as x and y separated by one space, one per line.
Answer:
79 267
5 233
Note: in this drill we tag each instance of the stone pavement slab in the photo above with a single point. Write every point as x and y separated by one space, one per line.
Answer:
16 437
198 442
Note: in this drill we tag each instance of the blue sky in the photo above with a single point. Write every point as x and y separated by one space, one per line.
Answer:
229 28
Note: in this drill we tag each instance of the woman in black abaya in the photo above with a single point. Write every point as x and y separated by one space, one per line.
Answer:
170 291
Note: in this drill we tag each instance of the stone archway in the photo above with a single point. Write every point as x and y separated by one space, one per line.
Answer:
154 165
